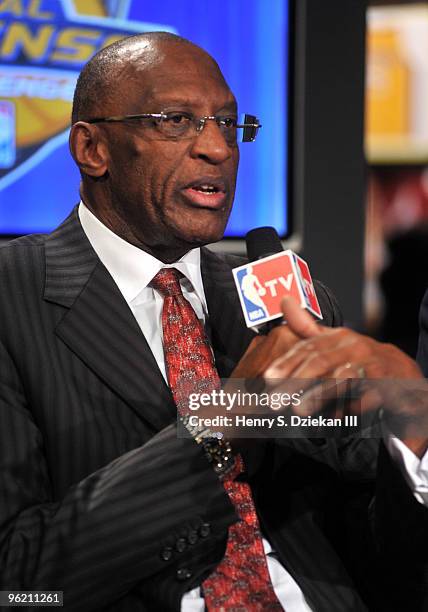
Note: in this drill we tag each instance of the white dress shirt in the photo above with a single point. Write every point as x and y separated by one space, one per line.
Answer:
132 270
415 470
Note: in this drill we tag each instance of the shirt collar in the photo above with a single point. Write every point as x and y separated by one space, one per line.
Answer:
132 268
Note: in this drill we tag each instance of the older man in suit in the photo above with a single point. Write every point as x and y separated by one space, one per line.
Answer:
100 497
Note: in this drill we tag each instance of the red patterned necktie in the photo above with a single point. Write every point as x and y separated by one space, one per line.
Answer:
241 582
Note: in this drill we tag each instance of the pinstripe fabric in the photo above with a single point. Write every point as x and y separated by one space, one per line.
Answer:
89 457
422 356
98 496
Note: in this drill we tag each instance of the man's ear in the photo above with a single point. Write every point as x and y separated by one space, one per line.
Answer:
89 151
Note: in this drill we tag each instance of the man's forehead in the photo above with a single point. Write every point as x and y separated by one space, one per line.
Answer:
186 90
183 66
169 58
179 78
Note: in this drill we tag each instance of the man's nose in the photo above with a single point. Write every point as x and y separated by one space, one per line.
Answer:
210 144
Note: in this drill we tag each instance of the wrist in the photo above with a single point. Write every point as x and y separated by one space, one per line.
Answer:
217 450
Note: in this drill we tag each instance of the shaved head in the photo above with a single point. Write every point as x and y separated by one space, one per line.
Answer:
97 85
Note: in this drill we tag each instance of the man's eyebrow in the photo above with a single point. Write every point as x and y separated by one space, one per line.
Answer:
190 104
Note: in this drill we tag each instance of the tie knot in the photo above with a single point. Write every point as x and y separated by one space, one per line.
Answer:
167 282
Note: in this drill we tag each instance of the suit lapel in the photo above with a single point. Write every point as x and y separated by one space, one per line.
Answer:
229 334
100 328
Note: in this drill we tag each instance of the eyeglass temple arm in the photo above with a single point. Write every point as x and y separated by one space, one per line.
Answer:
126 117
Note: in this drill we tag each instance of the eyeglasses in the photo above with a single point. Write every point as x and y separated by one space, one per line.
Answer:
181 125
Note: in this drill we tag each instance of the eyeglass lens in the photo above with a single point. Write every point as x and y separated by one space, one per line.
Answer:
178 125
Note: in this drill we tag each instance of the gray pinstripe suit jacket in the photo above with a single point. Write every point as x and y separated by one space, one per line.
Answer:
98 496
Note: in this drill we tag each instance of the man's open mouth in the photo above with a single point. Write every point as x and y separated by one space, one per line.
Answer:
206 188
206 193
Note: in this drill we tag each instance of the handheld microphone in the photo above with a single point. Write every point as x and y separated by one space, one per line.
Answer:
262 242
271 275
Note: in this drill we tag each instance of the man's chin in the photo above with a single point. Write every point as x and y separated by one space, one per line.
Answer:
200 238
206 231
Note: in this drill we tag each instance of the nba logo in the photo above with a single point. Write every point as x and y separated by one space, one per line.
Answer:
262 284
7 134
307 286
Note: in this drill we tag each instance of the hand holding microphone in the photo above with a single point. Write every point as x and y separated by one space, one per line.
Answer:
302 349
271 275
391 380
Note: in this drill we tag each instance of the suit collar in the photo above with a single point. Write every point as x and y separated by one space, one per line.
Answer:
132 268
99 327
70 261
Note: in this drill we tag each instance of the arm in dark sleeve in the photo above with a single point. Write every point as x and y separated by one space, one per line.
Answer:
422 356
401 534
329 305
110 530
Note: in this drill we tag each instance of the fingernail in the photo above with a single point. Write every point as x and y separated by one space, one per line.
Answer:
272 373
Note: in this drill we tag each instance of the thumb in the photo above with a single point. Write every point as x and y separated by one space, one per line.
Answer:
298 320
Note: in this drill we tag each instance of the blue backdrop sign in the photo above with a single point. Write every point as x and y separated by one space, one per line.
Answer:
45 43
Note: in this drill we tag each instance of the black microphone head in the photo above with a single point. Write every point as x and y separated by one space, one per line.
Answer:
262 242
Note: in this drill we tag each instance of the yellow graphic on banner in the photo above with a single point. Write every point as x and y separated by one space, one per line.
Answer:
18 8
90 7
43 101
388 83
39 119
397 84
34 9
